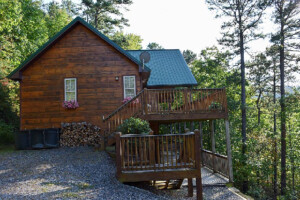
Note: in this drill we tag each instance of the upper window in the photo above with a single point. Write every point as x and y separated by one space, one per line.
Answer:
70 89
129 86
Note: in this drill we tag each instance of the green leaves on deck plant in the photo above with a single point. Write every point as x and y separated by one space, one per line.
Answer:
134 126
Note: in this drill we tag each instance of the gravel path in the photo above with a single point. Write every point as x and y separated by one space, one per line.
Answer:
79 173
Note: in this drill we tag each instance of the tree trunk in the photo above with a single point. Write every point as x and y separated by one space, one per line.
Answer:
282 106
275 139
258 107
243 100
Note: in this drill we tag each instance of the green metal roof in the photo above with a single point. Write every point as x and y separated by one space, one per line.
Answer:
168 68
59 34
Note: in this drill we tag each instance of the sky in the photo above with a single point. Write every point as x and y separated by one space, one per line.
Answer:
177 24
174 24
181 24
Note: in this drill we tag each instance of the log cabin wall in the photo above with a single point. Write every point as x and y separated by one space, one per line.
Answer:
79 54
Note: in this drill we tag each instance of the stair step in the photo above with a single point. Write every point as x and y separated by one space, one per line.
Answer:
167 184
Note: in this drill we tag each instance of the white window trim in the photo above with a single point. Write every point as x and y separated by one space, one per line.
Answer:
66 79
129 88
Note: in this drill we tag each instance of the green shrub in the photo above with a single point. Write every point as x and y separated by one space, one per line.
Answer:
6 133
134 126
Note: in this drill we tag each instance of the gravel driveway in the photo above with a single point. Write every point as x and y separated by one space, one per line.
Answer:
64 173
76 173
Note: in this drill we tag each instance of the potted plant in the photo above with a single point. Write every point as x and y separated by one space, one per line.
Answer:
215 106
72 104
134 102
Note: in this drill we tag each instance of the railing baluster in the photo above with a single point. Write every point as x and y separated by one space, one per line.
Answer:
184 150
131 153
127 141
167 147
157 150
171 144
123 152
163 151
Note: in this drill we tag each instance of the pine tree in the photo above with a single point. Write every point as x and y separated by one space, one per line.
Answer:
106 16
242 19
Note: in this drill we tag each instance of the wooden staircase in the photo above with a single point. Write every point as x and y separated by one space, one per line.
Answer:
168 184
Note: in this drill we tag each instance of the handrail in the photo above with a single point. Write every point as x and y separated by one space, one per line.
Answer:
123 106
187 89
139 135
215 154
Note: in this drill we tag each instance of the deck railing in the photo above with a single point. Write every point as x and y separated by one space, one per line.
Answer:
169 101
157 152
216 162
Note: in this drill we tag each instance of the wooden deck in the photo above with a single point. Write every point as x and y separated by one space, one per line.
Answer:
170 105
159 157
173 156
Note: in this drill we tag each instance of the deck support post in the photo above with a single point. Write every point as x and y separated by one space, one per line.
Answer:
228 146
213 143
119 154
198 165
190 187
201 141
155 127
151 149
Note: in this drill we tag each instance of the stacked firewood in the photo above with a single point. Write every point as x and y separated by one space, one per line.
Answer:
80 134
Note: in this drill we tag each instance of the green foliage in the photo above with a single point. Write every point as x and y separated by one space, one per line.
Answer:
189 56
6 133
7 113
104 15
127 41
24 27
56 18
134 126
154 45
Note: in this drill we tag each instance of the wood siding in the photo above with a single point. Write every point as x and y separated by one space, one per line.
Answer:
79 54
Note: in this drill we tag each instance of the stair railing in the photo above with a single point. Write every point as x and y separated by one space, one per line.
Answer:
132 108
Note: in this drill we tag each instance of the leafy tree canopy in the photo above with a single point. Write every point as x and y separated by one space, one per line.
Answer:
127 41
189 56
154 45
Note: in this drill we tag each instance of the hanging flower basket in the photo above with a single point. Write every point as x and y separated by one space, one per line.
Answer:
70 104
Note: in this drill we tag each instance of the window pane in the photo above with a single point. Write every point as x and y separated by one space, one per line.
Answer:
126 82
72 87
129 93
131 82
70 96
68 85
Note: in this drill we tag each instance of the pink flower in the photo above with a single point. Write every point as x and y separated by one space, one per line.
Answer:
70 104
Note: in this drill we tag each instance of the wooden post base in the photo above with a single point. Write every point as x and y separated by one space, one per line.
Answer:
190 187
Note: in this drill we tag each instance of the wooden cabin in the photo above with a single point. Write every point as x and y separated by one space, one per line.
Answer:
80 64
